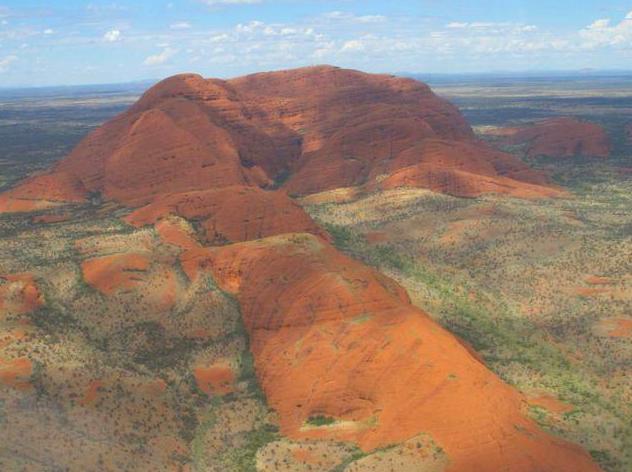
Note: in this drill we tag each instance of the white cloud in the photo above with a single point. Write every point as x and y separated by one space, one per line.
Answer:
599 24
250 27
491 27
48 31
161 58
456 24
102 9
180 25
6 62
112 36
603 33
215 3
353 45
220 38
352 18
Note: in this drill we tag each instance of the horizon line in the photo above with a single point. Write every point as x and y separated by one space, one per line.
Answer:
530 73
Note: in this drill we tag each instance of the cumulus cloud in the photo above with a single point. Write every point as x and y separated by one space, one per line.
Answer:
6 62
352 18
603 32
491 27
353 45
180 25
250 27
215 3
272 31
457 24
48 31
112 36
263 44
160 58
373 42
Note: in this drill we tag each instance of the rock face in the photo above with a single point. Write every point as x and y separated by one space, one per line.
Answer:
308 130
559 137
331 338
231 214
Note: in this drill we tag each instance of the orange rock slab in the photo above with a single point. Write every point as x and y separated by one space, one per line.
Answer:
108 274
231 214
217 379
332 337
43 191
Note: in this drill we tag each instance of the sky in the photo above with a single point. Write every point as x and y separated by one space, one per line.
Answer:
70 42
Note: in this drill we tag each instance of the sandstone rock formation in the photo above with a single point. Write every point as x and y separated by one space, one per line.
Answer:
306 130
332 338
559 137
231 214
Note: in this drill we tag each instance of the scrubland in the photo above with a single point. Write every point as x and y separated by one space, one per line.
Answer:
541 289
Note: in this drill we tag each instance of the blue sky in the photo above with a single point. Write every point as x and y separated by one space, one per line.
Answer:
77 42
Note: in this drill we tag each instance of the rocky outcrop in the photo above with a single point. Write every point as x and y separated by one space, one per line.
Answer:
559 137
306 130
231 214
334 339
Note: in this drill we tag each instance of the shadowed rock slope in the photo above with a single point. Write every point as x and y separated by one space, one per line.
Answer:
331 338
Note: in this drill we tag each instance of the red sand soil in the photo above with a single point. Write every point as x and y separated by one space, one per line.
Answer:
591 291
52 218
19 294
218 379
154 388
168 291
109 274
174 232
309 130
560 137
16 373
231 214
333 337
623 329
304 456
8 337
599 280
550 403
92 393
377 237
615 327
